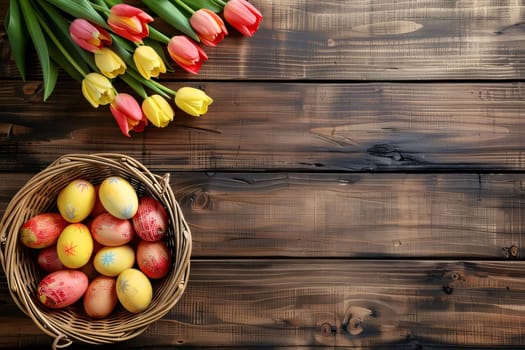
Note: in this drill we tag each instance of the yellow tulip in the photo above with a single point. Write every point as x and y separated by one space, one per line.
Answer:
97 89
148 62
157 110
193 101
109 63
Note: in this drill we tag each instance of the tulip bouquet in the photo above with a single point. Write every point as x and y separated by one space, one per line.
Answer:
99 41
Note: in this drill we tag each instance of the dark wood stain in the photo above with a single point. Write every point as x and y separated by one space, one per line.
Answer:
319 127
357 183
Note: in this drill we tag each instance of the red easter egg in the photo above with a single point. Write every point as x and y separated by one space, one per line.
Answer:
151 220
42 230
48 259
153 258
111 231
62 288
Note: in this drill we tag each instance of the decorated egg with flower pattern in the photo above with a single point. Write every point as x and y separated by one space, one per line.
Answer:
76 201
118 197
110 261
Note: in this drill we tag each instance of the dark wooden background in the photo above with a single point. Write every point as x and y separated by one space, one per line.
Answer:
357 183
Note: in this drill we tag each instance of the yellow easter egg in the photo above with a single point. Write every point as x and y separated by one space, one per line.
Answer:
75 246
110 261
76 201
118 197
134 290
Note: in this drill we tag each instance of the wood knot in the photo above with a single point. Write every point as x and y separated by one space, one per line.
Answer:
327 329
200 200
511 252
354 319
355 326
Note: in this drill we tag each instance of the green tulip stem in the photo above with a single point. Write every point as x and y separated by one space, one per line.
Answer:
220 2
163 88
100 8
186 7
152 84
158 36
59 45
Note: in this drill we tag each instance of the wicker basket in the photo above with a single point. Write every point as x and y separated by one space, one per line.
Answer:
23 274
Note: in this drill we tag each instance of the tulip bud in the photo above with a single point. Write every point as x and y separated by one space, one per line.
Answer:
129 22
243 16
148 62
109 63
88 36
209 26
157 110
193 101
128 114
97 89
186 53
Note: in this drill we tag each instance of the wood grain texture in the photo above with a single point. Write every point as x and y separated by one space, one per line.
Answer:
460 216
337 304
358 182
369 40
320 127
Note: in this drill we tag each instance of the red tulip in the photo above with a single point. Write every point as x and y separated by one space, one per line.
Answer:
129 22
128 114
88 36
186 53
243 16
209 27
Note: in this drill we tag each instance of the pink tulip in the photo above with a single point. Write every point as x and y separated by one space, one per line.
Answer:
209 27
243 16
186 53
129 22
128 114
88 36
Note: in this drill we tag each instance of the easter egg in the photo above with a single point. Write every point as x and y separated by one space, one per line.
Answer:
118 197
75 245
111 231
100 298
76 201
153 258
151 220
48 259
110 261
42 230
134 290
62 288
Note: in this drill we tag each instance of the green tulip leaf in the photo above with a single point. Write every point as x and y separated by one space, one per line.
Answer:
17 36
64 63
134 84
124 50
111 3
207 4
80 56
80 9
52 78
40 44
172 15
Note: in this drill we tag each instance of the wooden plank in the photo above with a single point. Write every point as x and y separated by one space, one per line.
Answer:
369 40
335 303
320 127
460 216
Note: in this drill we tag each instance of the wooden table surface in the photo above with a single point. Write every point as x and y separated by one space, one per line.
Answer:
357 183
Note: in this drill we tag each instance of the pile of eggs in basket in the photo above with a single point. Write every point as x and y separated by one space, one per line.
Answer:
104 246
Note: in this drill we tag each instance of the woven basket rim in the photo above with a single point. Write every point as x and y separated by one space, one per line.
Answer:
69 325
